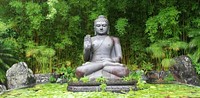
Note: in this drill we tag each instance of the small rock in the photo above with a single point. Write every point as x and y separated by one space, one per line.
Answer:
42 78
2 88
60 80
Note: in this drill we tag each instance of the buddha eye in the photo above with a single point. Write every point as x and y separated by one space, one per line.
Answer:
98 25
104 25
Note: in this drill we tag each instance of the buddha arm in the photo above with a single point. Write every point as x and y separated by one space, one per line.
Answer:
118 51
87 48
86 54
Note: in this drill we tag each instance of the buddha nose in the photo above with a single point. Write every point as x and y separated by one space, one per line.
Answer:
101 28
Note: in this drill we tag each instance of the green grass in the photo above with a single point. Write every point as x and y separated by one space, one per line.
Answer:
50 90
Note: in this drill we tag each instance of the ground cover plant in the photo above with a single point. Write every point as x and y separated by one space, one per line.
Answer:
52 90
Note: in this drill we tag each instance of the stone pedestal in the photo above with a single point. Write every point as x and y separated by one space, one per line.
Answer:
115 85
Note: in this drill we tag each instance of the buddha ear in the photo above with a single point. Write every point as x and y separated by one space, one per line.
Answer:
108 32
95 33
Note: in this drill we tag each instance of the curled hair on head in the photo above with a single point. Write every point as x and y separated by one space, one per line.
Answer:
100 19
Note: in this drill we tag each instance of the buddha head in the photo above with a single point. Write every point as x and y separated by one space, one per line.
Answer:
101 26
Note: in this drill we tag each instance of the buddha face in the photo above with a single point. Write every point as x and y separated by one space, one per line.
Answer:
101 27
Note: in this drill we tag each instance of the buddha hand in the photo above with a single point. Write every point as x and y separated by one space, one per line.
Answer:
87 42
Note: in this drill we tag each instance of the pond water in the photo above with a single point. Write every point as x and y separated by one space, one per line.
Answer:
52 90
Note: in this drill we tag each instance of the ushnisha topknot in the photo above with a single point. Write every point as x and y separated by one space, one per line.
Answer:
101 18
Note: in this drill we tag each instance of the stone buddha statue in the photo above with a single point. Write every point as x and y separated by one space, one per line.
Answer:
102 54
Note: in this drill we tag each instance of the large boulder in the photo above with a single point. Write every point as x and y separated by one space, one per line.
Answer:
19 75
184 72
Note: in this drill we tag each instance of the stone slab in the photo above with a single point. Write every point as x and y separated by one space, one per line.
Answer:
116 88
108 82
113 85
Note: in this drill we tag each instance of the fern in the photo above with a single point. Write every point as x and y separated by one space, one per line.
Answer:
6 59
156 50
42 55
167 62
165 50
194 44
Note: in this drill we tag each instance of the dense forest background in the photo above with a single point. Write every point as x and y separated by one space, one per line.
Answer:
49 33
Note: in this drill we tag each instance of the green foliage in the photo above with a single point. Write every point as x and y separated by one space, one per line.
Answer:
66 72
6 60
52 79
103 87
146 66
61 25
163 25
194 44
121 25
169 78
2 76
52 10
3 28
75 80
197 67
166 62
33 11
17 5
141 84
84 79
165 50
42 55
7 46
5 56
101 80
128 78
136 75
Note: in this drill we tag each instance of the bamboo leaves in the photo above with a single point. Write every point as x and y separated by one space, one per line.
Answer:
52 10
17 5
121 25
33 11
163 25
